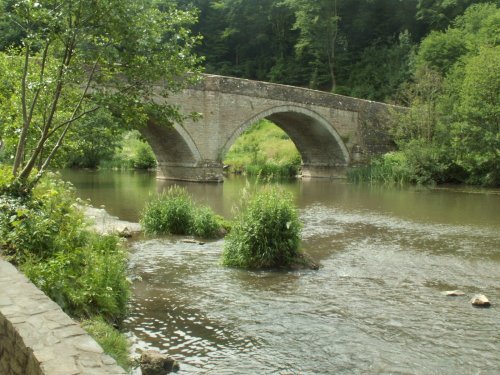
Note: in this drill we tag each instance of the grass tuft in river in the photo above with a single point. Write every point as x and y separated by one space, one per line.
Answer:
174 212
266 232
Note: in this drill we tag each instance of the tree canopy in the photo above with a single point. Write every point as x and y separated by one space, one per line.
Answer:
70 58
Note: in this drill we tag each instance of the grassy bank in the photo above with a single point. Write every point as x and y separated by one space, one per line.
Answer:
264 150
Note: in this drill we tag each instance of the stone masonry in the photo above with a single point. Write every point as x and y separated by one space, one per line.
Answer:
330 131
38 338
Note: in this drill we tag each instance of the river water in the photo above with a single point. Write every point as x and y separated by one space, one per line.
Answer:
374 307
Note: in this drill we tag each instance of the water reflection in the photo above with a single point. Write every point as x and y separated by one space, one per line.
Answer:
374 307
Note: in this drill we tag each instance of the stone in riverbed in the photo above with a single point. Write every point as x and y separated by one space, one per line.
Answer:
480 300
155 363
188 240
454 293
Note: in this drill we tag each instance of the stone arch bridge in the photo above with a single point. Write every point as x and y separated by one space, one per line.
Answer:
330 131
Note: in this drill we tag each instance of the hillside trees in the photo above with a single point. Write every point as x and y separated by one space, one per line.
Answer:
77 56
455 101
318 44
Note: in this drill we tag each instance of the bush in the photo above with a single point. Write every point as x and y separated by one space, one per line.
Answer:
132 153
391 168
174 212
86 281
266 233
111 340
205 223
41 223
45 235
169 213
144 157
271 170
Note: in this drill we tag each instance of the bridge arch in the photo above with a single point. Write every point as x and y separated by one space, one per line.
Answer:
171 144
317 141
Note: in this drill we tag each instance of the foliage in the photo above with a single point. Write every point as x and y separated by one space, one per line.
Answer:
418 163
68 57
131 153
41 224
110 339
382 68
451 131
45 234
144 157
87 280
266 233
205 224
308 43
318 24
264 150
476 132
169 213
174 212
440 13
96 140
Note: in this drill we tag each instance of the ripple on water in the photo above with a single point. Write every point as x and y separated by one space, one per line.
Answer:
375 306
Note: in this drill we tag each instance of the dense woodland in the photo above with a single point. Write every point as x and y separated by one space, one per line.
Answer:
439 57
362 48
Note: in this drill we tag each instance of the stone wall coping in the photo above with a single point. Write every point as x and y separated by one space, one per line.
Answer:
38 338
288 93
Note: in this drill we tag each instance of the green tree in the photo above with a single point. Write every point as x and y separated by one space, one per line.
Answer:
80 55
440 13
476 133
95 139
318 23
451 130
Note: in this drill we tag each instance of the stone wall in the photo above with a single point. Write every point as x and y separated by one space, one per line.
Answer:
38 338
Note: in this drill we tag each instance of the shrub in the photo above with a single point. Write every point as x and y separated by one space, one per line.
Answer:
266 233
42 223
391 168
111 340
169 213
45 235
174 212
86 281
144 157
271 170
205 223
132 153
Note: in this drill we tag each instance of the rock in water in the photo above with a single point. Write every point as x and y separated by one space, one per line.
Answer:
480 300
155 363
454 293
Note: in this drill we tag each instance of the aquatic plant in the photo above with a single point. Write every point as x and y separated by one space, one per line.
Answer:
266 233
174 212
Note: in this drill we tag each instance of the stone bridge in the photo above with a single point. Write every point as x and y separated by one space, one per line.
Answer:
330 131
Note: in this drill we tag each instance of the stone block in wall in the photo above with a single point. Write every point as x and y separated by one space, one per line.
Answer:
38 338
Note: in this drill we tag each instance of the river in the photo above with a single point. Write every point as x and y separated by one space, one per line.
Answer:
375 306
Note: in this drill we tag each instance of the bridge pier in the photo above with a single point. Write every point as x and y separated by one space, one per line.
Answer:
205 171
323 171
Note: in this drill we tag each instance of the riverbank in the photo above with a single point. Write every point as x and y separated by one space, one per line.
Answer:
37 337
